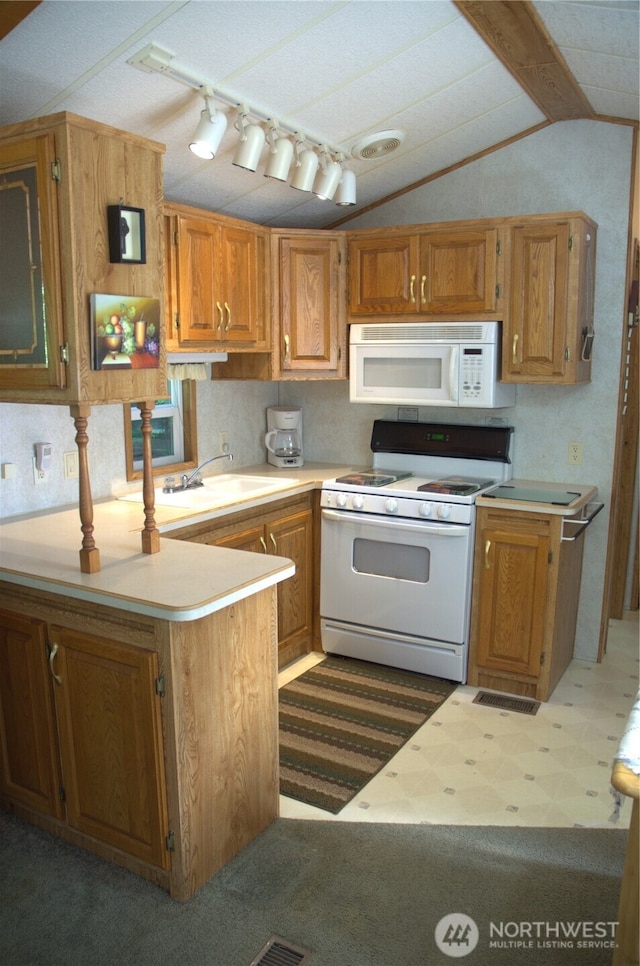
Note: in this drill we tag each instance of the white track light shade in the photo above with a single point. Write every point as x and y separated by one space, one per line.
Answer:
346 193
250 148
280 158
327 181
305 172
209 134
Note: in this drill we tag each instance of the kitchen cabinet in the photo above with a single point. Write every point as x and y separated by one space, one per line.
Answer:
548 324
162 733
216 281
29 755
439 271
309 294
285 530
59 175
81 734
525 597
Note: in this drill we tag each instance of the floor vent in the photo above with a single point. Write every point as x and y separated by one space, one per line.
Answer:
279 952
505 703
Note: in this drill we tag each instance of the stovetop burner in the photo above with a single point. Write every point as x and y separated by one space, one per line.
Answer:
374 477
455 486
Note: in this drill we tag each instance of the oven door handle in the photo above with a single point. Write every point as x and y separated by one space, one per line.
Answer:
344 516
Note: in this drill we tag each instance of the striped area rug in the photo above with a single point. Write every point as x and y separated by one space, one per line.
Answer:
342 721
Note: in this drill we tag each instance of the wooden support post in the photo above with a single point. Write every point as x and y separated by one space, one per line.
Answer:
89 553
150 535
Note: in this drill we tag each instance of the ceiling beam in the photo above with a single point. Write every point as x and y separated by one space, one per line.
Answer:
516 34
12 12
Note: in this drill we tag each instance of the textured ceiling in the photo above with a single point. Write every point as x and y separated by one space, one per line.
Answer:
335 70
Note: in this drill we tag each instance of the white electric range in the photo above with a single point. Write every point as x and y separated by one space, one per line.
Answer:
397 545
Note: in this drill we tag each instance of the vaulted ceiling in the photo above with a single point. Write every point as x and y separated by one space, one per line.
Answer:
456 78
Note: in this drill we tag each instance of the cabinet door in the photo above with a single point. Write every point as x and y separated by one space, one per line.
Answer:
200 298
247 538
29 759
292 537
512 600
458 272
239 285
535 342
383 274
111 743
31 327
311 306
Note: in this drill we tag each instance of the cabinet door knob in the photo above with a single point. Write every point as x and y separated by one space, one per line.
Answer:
273 541
219 308
228 325
52 656
423 282
412 294
287 355
487 548
263 544
514 349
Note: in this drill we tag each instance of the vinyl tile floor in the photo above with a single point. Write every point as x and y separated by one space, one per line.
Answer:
476 765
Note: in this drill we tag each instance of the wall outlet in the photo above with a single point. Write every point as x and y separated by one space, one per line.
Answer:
71 471
223 441
39 476
575 454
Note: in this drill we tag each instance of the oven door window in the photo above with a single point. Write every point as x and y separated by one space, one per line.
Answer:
397 560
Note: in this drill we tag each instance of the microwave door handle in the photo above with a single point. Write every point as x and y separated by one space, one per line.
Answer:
453 373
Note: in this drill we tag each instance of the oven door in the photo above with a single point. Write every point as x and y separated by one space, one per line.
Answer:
402 576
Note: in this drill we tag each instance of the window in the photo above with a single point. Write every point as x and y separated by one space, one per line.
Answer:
173 432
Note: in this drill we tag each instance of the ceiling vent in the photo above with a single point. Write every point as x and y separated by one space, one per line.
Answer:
377 145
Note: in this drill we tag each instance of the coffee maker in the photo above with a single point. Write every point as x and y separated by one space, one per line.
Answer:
284 436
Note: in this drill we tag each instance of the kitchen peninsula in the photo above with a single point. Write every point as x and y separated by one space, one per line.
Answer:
149 736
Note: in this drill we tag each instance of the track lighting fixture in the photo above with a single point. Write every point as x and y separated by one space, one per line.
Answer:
210 130
251 141
346 191
324 187
306 165
280 155
306 161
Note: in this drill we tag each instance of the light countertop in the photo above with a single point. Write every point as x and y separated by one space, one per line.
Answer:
584 494
183 582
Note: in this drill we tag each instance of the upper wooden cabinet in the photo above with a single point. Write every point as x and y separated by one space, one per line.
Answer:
309 317
548 323
59 175
439 272
216 281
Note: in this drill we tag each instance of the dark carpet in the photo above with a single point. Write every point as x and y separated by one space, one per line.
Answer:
355 894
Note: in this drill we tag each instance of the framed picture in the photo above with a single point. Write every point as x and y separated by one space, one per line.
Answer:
126 234
125 332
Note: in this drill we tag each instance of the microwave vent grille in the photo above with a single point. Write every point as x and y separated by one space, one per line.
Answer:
432 332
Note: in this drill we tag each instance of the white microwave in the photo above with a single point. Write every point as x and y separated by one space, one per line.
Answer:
428 364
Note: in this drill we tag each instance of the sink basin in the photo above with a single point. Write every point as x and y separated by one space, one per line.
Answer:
217 491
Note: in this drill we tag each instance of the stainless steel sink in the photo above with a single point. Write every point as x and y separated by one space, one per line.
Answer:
217 491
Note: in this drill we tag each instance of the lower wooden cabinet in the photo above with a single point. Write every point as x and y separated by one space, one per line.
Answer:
526 589
286 530
29 755
150 742
81 736
108 712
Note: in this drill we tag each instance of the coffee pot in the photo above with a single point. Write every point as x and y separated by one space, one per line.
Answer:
284 436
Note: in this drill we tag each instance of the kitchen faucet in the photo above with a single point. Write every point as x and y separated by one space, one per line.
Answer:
189 482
